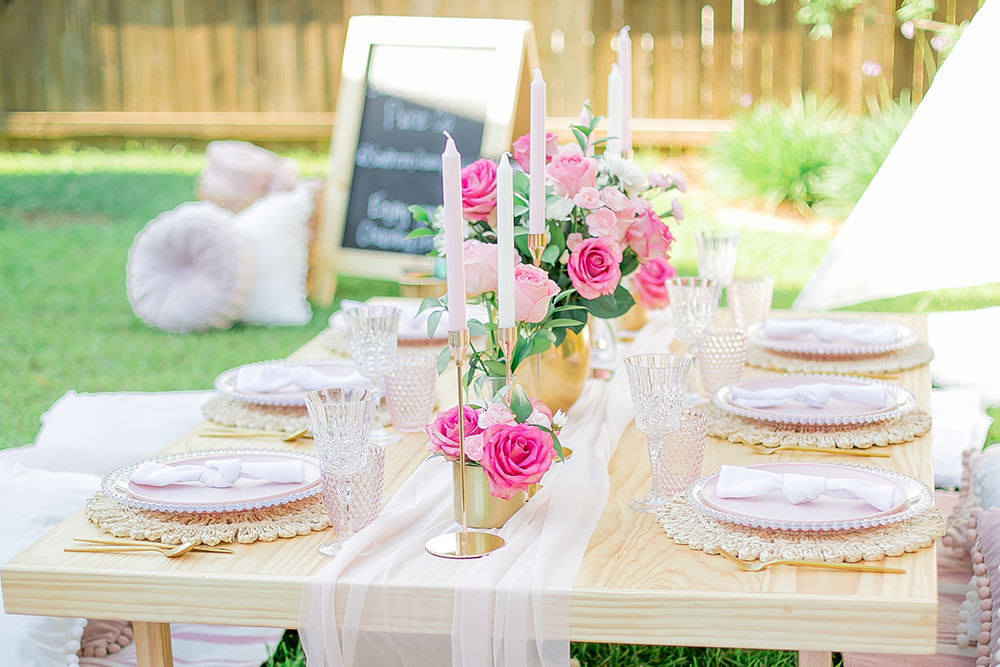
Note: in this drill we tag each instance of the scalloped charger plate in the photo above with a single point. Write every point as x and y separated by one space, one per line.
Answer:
338 370
809 345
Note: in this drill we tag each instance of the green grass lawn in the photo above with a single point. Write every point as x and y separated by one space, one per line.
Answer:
66 223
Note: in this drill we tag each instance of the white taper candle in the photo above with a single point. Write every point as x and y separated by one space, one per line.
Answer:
505 242
454 232
614 144
625 65
536 191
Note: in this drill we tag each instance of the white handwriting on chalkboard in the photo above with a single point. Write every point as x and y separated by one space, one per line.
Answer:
371 235
392 213
395 116
372 156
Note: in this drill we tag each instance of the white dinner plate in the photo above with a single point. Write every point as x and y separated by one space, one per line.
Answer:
808 344
338 370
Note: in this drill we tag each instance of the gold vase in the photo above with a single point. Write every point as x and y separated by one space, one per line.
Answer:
481 509
557 376
634 319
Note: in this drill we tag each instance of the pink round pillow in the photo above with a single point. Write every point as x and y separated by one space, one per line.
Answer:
190 269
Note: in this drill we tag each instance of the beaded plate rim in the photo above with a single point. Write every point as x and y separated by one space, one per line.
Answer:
908 338
225 383
111 487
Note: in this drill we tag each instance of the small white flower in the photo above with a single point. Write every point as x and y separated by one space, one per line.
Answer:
538 418
437 218
564 258
559 210
559 419
626 171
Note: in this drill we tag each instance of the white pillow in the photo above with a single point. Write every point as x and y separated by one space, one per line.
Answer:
188 269
277 231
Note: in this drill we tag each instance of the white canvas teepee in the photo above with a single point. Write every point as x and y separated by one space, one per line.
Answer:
930 219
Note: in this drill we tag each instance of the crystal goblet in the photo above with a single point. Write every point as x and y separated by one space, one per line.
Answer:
374 335
656 383
341 420
717 255
694 303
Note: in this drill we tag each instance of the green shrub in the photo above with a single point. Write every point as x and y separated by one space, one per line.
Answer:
859 155
776 153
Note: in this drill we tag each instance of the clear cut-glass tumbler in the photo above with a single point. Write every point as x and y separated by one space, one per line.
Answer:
410 389
721 359
693 303
717 255
374 335
341 420
656 383
750 300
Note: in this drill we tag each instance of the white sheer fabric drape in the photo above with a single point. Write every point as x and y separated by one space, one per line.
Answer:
511 608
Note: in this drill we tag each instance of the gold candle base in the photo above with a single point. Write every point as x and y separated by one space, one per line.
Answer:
507 339
536 246
451 545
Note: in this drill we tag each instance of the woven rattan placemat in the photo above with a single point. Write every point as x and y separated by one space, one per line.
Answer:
891 362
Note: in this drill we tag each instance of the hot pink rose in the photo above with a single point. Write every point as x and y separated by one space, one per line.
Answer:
514 457
594 267
649 237
603 222
480 267
588 198
651 283
522 150
443 431
571 173
533 290
479 190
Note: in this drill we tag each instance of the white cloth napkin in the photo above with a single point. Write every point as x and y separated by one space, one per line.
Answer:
737 482
830 330
815 395
219 473
269 379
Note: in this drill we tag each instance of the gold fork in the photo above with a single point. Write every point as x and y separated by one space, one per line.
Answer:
156 545
857 567
175 552
766 451
227 432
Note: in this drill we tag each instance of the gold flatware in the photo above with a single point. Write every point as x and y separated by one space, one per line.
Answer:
857 567
175 552
158 545
766 451
225 432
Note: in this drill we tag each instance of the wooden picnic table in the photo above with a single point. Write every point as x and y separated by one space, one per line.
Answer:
635 584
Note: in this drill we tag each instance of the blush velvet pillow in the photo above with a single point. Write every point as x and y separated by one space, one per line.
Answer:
190 269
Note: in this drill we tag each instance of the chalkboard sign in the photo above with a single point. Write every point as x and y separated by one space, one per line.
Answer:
405 81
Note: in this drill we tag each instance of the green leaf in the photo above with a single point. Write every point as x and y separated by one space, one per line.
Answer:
551 254
476 327
562 322
434 254
418 213
541 343
548 334
432 322
557 445
609 306
558 238
629 264
520 405
520 209
443 358
429 302
421 232
495 368
581 139
522 184
600 141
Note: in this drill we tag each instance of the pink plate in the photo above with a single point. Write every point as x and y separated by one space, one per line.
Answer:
339 372
773 511
809 345
246 494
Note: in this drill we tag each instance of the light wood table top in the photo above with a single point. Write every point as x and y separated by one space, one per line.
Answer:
634 586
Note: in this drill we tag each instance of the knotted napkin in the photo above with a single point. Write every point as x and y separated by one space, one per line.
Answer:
737 482
815 395
266 379
219 473
829 330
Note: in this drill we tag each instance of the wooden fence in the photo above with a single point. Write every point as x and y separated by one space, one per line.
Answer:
270 68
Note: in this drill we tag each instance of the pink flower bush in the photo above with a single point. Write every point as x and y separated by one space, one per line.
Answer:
588 198
443 431
571 173
533 291
480 267
479 191
649 237
522 150
514 457
650 283
594 267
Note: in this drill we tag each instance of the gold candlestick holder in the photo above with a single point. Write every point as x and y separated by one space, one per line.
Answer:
507 339
536 246
464 544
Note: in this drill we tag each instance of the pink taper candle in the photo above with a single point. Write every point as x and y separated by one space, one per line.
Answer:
625 65
454 233
536 191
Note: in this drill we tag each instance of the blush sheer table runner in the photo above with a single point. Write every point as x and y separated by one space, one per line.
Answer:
510 608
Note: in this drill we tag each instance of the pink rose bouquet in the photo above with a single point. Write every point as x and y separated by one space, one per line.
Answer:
650 283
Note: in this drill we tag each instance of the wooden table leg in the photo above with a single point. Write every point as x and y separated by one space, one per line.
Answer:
152 645
815 659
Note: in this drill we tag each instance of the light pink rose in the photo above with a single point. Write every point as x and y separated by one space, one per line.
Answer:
443 431
640 205
474 447
522 150
515 457
602 222
650 283
649 237
588 198
573 240
614 199
533 290
594 267
497 413
480 267
538 406
479 190
572 148
571 173
658 180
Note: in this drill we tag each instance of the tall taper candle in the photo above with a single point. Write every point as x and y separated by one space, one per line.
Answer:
625 65
454 232
505 242
536 191
614 145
